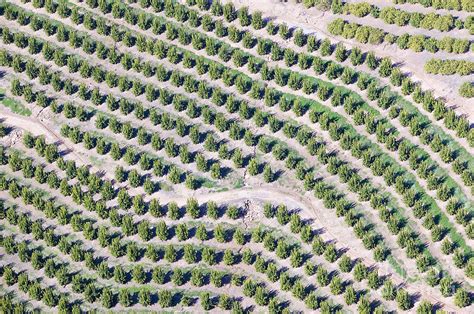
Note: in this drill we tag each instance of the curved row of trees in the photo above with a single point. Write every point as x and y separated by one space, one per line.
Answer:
464 5
297 109
280 213
104 236
449 67
418 43
407 88
167 122
400 17
245 18
459 5
283 217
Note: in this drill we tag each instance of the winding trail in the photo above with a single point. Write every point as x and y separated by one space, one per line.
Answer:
36 127
274 194
321 219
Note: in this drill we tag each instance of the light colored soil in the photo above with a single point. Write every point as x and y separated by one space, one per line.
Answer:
334 146
335 230
323 220
315 21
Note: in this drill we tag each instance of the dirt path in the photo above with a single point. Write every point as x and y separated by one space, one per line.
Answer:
355 199
222 86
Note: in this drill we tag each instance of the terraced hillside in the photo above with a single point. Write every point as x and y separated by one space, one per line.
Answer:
191 156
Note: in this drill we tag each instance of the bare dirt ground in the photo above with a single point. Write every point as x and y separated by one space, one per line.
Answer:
315 21
350 159
322 219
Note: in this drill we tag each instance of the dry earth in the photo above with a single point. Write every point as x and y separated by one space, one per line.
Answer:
313 21
328 225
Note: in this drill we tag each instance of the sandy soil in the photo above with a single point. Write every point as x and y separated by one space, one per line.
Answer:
310 208
314 21
350 159
274 195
